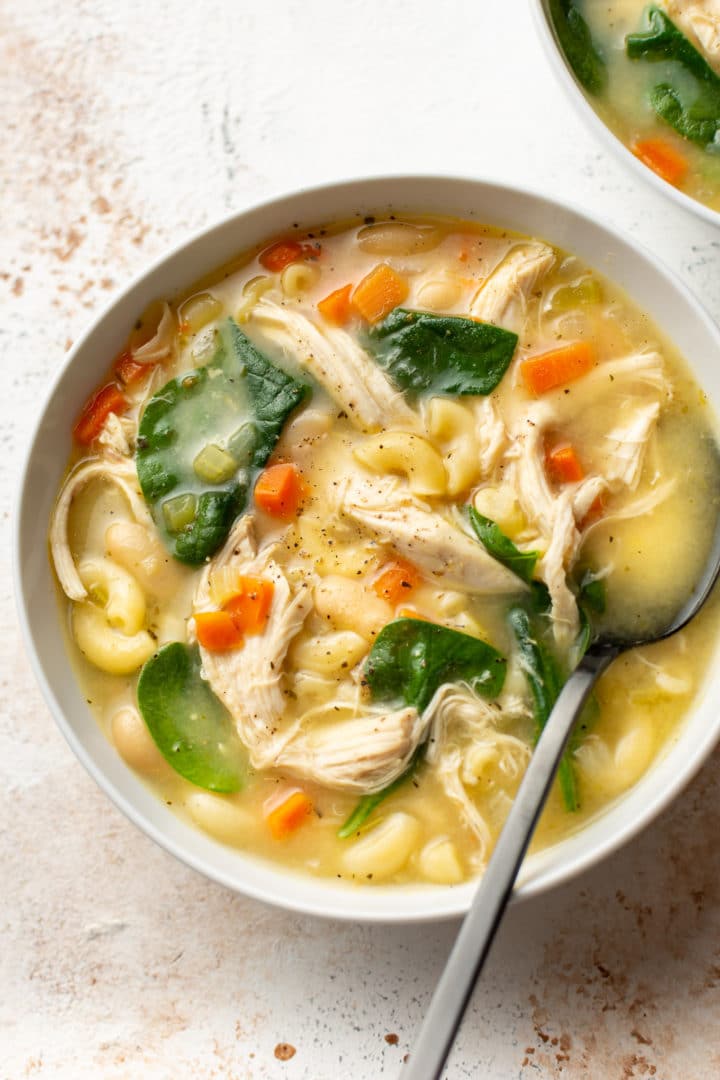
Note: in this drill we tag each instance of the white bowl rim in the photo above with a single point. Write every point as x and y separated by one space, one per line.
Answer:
568 80
321 896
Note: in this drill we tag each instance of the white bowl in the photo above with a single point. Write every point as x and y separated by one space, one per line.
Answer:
577 95
654 288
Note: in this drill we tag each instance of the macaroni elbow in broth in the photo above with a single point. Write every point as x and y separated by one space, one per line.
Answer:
335 513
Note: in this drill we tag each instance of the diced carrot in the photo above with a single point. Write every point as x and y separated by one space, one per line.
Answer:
280 489
411 613
130 371
336 306
217 631
563 465
548 370
96 411
595 511
287 812
250 606
284 252
396 581
379 292
662 157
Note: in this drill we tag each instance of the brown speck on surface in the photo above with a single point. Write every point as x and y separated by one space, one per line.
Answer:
284 1051
392 1039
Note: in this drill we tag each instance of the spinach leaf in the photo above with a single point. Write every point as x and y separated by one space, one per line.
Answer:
368 803
410 659
591 601
191 727
690 98
501 547
545 679
441 354
577 43
228 413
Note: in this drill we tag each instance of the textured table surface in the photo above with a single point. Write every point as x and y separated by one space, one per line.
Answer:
124 128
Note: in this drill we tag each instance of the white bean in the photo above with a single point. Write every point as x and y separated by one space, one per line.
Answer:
349 605
439 862
134 742
384 850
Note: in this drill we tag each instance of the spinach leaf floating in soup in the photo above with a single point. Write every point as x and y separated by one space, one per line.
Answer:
204 434
411 659
688 98
578 45
432 354
191 728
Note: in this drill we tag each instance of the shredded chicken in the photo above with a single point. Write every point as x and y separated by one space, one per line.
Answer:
362 754
503 297
351 377
701 22
490 434
119 471
161 344
461 724
440 549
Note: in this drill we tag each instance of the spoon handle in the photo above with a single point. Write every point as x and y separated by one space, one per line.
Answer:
478 930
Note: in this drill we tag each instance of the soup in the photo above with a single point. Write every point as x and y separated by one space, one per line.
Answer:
652 72
339 521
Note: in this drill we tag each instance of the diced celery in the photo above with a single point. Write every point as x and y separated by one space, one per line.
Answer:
214 465
242 442
179 512
587 291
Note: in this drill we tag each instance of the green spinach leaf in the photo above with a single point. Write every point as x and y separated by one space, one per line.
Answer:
545 680
411 658
577 43
689 97
368 803
441 354
501 547
230 412
191 727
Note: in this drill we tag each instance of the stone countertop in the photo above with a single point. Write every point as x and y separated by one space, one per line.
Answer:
125 128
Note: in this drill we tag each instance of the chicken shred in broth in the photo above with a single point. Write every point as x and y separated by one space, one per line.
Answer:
338 511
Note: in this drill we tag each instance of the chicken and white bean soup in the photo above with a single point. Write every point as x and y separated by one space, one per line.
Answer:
652 73
341 519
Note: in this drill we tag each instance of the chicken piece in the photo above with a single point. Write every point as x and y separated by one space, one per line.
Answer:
363 755
161 344
352 379
701 22
503 297
249 680
490 434
441 551
119 471
625 447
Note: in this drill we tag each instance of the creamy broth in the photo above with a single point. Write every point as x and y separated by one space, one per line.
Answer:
623 96
380 538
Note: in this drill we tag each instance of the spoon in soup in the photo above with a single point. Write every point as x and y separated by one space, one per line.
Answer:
482 921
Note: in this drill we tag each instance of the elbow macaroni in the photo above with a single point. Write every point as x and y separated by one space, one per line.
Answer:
410 455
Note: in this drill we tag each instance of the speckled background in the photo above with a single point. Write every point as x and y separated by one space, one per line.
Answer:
124 128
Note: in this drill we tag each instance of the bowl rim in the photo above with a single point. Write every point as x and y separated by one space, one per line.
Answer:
322 897
568 80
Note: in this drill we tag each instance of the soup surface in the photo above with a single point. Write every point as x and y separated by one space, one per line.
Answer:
339 521
652 72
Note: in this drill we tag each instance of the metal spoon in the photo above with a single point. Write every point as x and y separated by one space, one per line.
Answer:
477 933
